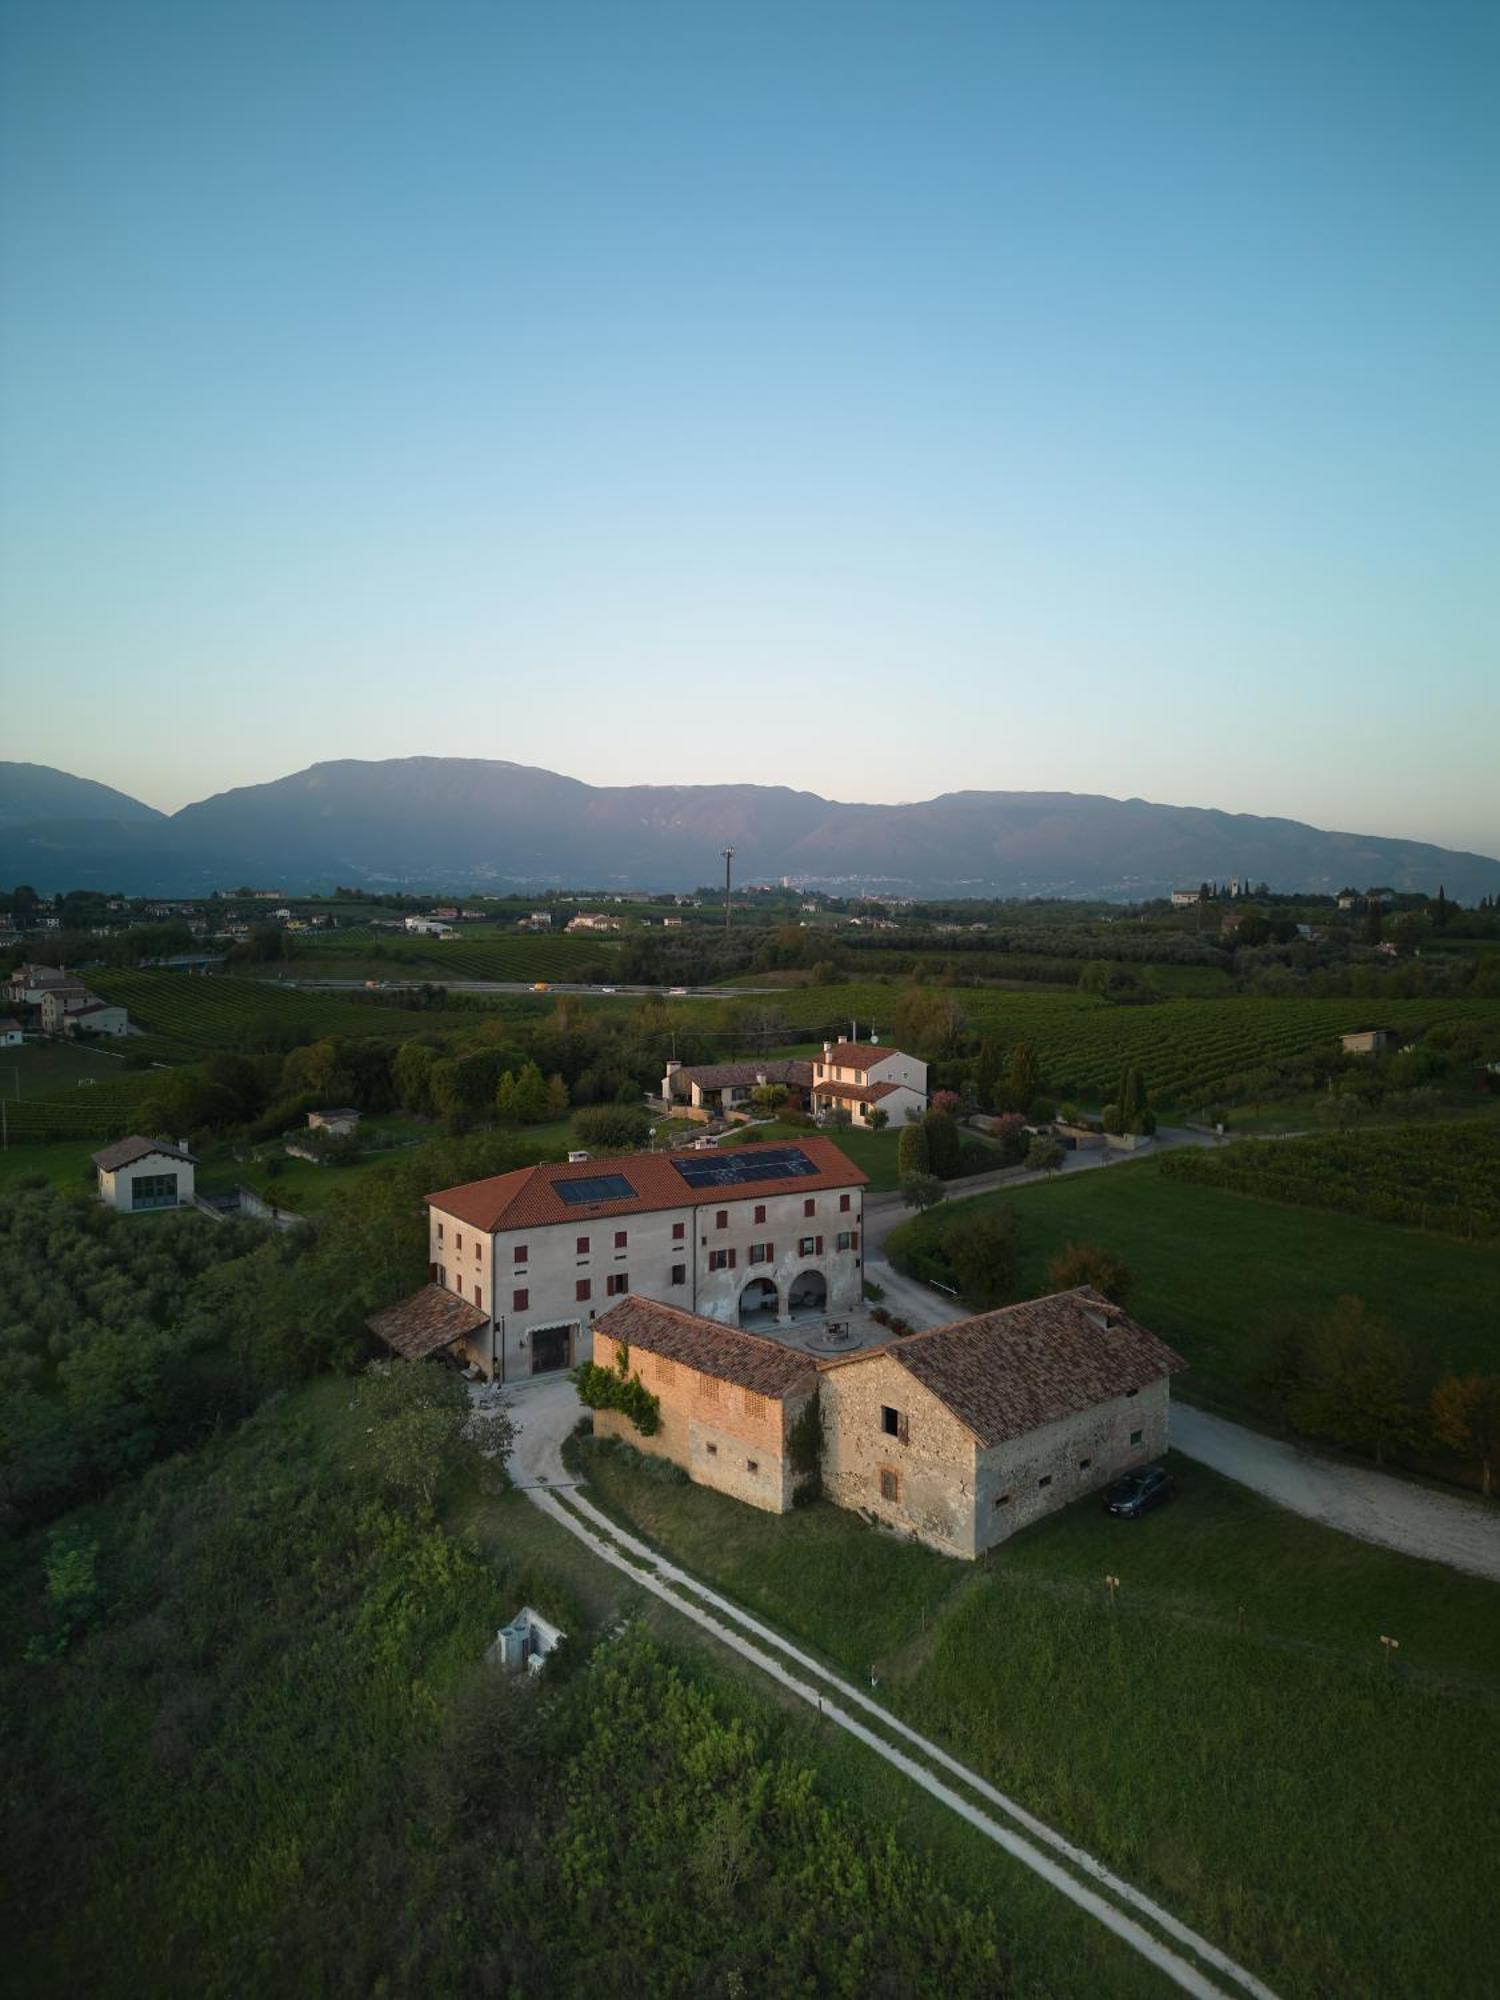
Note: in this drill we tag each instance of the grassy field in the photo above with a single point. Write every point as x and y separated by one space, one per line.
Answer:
1329 1822
1218 1273
54 1090
473 954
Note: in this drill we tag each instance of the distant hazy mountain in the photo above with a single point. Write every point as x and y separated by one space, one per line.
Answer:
30 792
458 822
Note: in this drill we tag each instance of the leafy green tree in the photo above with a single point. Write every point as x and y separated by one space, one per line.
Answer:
944 1148
981 1251
1023 1075
929 1023
913 1154
1045 1155
1464 1415
530 1096
420 1431
620 1128
989 1073
1091 1264
1359 1388
557 1097
412 1074
922 1191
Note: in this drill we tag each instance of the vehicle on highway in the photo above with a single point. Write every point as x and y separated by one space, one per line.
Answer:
608 989
539 986
1138 1492
676 992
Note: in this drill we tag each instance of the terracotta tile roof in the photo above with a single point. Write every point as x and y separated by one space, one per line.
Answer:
527 1198
768 1367
124 1153
1008 1372
857 1093
426 1322
857 1055
720 1076
8 1023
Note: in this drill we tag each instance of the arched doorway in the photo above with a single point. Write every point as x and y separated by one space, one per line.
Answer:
808 1295
758 1303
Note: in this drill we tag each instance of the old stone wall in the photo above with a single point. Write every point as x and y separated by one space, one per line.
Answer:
1022 1480
930 1456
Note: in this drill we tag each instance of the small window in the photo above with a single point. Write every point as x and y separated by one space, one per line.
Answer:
440 1232
809 1207
458 1243
752 1465
521 1253
890 1483
1002 1499
841 1241
520 1301
722 1219
1136 1436
1132 1392
754 1404
679 1232
582 1246
1045 1480
679 1274
479 1298
807 1246
712 1450
890 1421
616 1283
760 1211
581 1290
1084 1464
843 1204
620 1238
478 1253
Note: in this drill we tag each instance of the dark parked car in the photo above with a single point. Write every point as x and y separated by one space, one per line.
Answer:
1138 1491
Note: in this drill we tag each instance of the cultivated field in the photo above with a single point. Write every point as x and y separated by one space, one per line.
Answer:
194 1015
1439 1177
1229 1738
1219 1275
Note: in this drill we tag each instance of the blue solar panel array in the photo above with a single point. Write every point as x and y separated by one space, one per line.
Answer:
595 1187
745 1164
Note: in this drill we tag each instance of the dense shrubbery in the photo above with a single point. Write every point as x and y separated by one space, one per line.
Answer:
260 1724
1444 1177
617 1389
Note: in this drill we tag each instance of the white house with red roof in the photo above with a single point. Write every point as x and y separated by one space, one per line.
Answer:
863 1077
748 1236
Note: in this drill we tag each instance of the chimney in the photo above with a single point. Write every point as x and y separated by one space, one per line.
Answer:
760 1076
673 1067
827 1050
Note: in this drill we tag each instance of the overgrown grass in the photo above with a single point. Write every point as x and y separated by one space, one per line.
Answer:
1218 1274
1327 1819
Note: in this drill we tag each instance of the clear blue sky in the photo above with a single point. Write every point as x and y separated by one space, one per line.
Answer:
884 399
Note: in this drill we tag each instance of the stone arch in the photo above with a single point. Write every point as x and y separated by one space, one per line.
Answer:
759 1303
807 1295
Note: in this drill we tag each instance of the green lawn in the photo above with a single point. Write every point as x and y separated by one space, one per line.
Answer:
1329 1822
46 1069
66 1164
1217 1274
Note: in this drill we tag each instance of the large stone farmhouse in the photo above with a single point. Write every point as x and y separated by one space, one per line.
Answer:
965 1433
728 1398
862 1077
751 1236
956 1437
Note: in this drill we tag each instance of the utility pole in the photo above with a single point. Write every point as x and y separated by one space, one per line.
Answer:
728 854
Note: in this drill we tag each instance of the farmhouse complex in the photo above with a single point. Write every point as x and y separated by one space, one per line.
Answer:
755 1236
957 1437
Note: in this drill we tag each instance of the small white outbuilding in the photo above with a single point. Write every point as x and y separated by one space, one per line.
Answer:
137 1174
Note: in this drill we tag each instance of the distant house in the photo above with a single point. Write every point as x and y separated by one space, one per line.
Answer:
671 923
429 927
137 1174
539 920
60 1000
1368 1041
28 983
593 920
98 1017
11 1034
863 1077
338 1123
1184 899
961 1435
719 1087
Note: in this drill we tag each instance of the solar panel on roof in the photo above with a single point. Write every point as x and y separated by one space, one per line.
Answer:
595 1187
745 1163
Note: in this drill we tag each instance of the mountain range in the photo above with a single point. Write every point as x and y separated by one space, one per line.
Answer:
463 823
